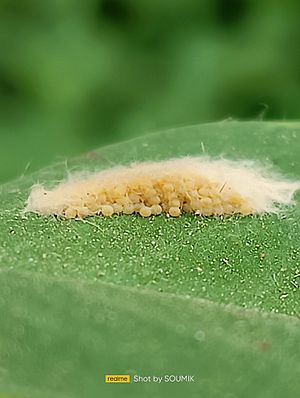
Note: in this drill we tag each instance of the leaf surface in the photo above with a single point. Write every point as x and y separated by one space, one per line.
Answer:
217 298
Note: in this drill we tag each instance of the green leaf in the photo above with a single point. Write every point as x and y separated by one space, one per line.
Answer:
217 298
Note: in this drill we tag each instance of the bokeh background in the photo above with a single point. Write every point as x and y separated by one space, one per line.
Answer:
77 74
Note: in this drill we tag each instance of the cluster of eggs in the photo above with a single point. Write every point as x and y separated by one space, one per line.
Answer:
168 195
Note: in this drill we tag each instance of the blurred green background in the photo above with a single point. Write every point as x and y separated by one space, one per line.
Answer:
77 74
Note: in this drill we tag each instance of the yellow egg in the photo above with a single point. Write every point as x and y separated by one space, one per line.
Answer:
70 212
145 211
174 211
174 203
156 209
107 210
128 209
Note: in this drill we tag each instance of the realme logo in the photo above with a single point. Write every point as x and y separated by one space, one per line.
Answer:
117 378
